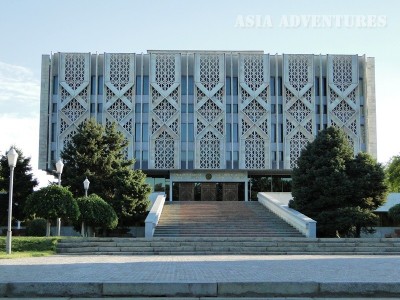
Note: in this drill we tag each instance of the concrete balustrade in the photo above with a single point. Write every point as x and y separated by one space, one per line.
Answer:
155 212
301 222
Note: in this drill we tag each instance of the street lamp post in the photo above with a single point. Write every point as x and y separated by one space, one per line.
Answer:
12 157
86 183
59 169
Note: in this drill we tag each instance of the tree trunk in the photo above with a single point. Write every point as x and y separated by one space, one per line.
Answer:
83 229
47 228
358 231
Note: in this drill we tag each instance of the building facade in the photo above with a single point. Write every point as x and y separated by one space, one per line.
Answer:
209 124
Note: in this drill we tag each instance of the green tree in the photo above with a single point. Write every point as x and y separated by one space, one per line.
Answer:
319 182
24 183
337 190
367 181
392 171
367 192
52 202
96 212
97 152
394 213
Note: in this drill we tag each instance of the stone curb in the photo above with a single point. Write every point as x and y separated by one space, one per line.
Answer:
221 289
51 289
160 289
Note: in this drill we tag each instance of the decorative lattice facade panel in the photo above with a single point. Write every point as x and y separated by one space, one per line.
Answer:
209 111
164 151
66 137
255 151
254 113
119 85
297 142
344 102
298 105
73 110
73 92
210 151
165 102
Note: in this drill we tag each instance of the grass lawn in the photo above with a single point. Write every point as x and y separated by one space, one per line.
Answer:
28 246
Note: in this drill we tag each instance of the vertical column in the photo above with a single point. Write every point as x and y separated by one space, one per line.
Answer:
45 109
370 106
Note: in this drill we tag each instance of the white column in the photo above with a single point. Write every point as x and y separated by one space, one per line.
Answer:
246 190
170 189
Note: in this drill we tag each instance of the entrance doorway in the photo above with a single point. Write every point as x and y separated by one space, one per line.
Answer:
208 191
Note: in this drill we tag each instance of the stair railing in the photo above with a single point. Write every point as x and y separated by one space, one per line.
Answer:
154 215
304 224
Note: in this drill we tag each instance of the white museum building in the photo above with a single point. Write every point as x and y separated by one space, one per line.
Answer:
209 125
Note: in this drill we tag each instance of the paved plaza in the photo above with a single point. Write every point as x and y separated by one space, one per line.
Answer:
201 276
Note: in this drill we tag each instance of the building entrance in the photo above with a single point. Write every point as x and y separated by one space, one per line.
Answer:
209 191
216 185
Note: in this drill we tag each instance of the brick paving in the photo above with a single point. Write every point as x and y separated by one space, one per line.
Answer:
202 269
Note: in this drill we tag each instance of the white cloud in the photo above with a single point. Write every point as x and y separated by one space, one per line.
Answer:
19 114
24 134
19 91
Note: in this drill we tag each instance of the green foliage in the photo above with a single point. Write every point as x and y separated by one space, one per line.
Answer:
97 152
36 227
352 220
96 212
394 213
24 183
52 202
392 172
334 188
319 182
367 182
31 245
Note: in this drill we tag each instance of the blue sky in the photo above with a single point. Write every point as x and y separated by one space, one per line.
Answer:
29 29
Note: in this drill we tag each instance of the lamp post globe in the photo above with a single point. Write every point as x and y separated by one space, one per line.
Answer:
86 183
12 157
59 169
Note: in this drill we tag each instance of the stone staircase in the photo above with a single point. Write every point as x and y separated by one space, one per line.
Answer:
221 219
228 245
220 228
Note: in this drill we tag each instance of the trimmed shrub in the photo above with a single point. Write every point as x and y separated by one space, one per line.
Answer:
36 227
96 212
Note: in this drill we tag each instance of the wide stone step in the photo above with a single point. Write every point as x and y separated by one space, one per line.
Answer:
219 246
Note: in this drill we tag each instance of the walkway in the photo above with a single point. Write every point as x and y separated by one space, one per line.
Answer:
196 276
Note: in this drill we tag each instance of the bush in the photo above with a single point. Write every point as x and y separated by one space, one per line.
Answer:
31 244
52 202
96 212
36 227
394 213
